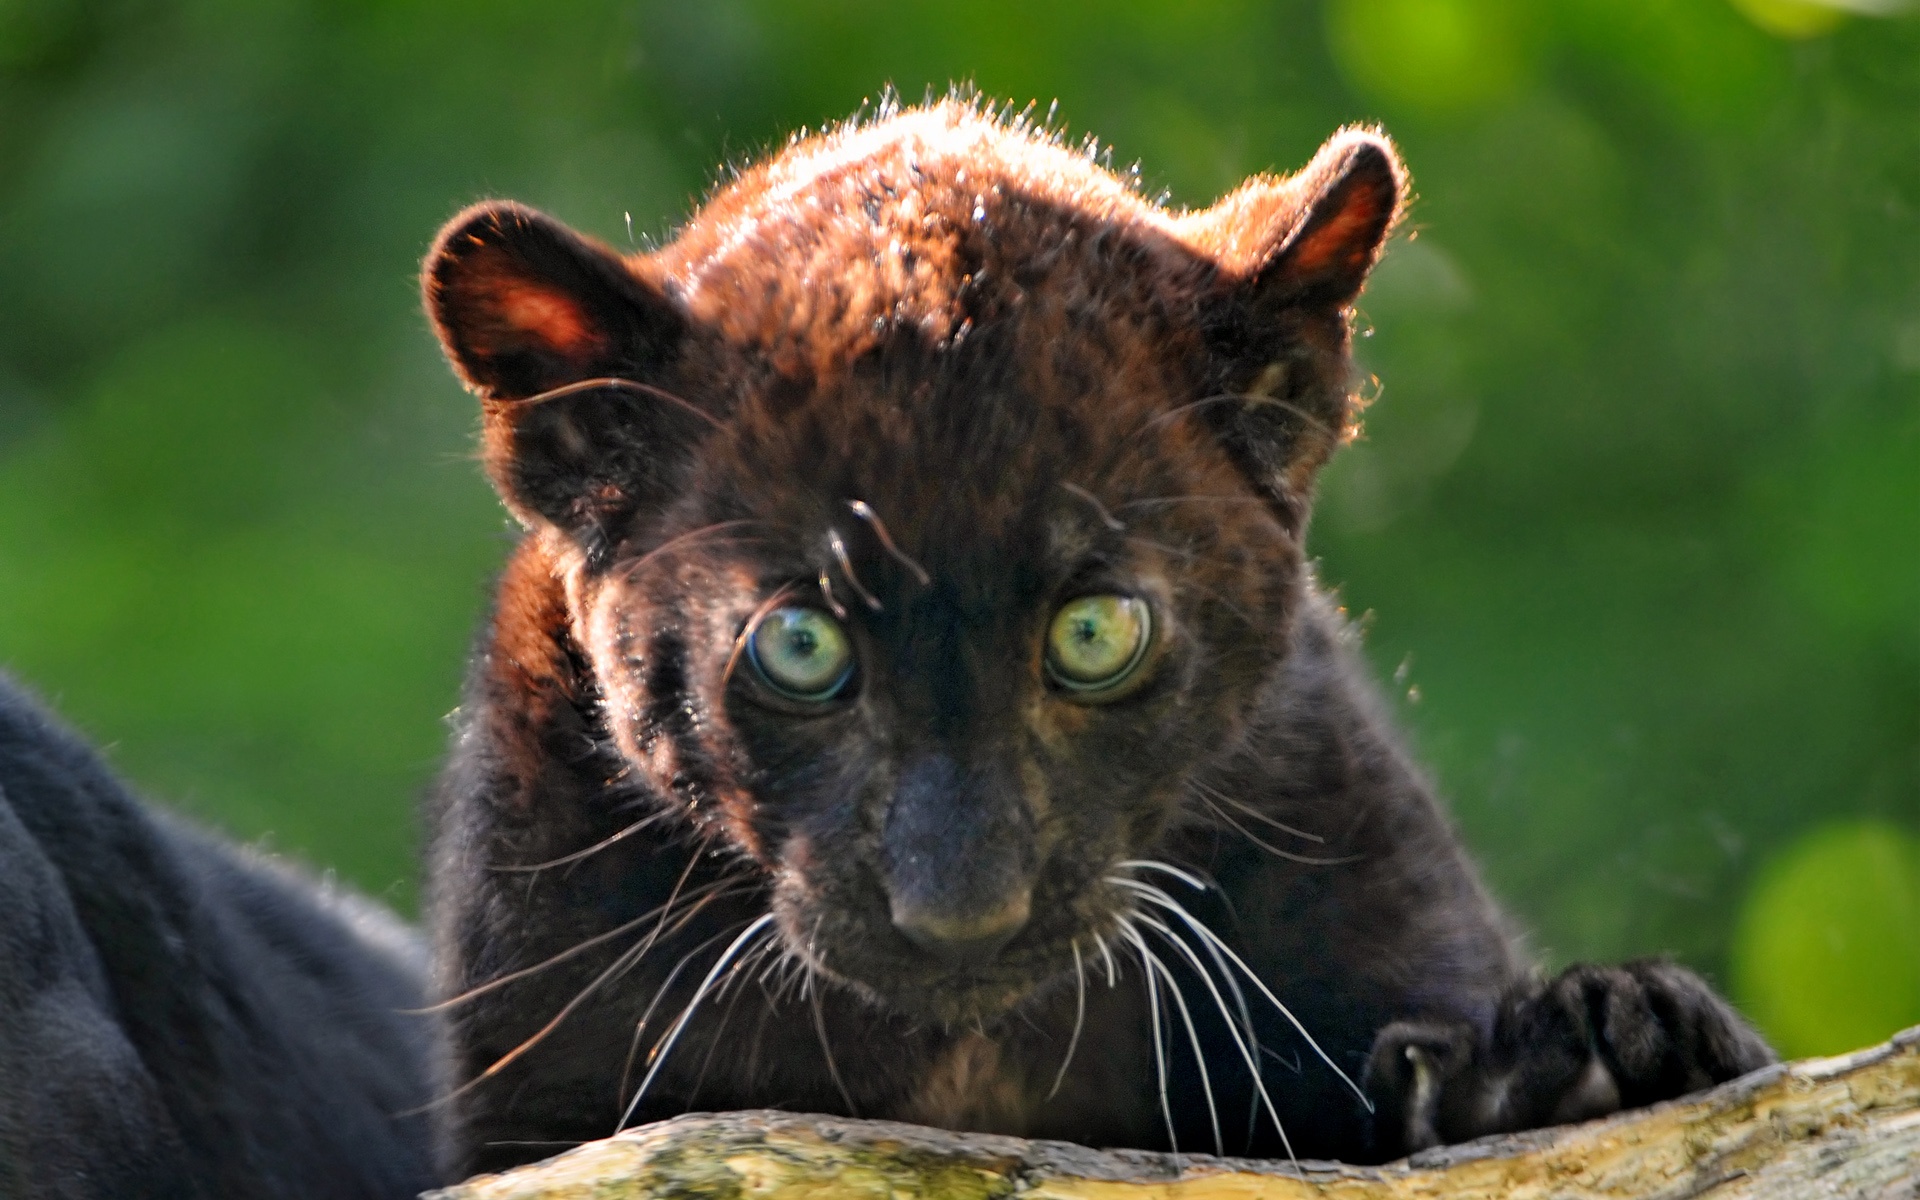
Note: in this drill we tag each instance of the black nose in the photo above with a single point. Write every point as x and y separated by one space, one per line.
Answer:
958 857
964 941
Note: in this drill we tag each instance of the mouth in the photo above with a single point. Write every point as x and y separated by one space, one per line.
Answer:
890 972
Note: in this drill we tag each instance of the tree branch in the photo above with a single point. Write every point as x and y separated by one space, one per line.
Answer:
1832 1128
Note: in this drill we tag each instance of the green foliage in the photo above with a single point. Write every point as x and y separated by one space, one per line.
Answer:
1637 514
1431 56
1827 954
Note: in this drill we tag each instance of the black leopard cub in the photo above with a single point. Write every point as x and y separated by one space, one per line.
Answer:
910 699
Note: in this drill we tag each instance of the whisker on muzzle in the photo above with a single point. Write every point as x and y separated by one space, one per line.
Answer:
663 1049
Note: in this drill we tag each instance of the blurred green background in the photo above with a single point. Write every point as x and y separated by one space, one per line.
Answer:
1635 525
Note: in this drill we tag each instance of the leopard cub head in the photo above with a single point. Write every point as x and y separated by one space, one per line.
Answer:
929 509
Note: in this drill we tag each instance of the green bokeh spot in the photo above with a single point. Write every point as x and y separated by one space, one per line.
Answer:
1432 56
1827 954
1792 18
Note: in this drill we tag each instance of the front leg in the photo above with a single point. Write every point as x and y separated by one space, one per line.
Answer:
1590 1042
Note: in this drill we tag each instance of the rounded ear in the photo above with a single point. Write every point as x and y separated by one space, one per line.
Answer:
523 304
1351 194
1292 255
567 347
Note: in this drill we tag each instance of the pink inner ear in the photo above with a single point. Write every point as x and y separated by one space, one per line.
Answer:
544 316
1340 243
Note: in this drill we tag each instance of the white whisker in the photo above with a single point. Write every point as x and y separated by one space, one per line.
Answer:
811 992
646 1017
1233 983
665 1048
622 834
704 895
752 958
1255 813
833 1068
1153 1021
1079 1017
1199 1055
735 973
1184 876
1113 974
1160 898
1249 1047
621 964
1307 860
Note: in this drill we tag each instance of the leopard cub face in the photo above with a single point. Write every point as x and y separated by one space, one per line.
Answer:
928 512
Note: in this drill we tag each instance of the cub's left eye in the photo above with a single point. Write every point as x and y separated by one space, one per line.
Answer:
1096 642
801 653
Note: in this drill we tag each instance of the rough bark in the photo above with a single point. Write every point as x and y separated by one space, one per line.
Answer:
1828 1128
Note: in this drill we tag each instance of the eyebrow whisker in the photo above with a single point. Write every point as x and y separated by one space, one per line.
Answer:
863 510
1250 399
839 548
826 593
615 383
1106 518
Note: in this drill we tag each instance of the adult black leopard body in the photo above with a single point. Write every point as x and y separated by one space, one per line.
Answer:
180 1018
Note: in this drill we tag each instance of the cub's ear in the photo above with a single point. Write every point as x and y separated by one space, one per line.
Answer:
568 348
1344 202
1292 256
523 304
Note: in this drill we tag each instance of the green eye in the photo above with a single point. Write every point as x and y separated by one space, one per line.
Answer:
1096 641
802 653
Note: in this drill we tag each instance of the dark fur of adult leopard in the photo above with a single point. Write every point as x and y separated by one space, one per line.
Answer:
911 699
183 1019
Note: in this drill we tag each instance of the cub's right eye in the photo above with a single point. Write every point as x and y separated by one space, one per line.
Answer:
801 653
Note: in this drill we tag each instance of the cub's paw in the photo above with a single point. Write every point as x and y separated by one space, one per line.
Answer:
1593 1040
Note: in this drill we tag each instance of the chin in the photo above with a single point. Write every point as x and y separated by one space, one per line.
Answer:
971 998
886 971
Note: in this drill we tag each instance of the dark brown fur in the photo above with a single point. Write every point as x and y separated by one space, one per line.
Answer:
935 375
